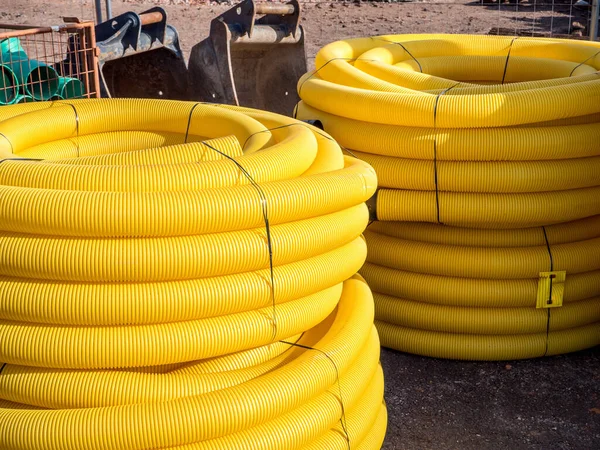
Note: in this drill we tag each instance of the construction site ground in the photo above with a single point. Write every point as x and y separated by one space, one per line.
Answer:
547 403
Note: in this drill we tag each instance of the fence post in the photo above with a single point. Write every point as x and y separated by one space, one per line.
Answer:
594 21
108 9
98 11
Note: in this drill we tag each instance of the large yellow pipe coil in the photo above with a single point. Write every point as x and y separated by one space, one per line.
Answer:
181 275
488 158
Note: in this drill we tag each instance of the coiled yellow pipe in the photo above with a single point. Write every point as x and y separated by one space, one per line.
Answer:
181 275
475 296
486 151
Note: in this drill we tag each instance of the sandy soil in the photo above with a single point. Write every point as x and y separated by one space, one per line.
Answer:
327 21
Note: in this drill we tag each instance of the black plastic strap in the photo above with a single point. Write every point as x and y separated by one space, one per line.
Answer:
187 130
12 149
550 295
507 58
314 72
583 62
549 249
435 169
343 420
76 123
295 124
265 213
348 151
404 48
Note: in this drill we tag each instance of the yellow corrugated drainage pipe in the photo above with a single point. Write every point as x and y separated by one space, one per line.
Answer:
486 150
182 275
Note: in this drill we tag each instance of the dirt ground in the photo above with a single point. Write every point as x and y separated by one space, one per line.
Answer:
328 21
544 404
550 403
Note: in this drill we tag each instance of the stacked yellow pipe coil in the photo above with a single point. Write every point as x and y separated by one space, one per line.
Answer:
488 158
139 307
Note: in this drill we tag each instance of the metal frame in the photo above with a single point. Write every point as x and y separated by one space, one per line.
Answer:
594 21
69 49
98 7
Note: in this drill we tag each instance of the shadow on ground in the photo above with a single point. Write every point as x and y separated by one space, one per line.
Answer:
548 403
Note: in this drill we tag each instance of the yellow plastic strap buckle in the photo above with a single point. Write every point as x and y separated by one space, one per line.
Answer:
551 289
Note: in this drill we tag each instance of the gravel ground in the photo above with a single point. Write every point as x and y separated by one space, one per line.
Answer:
549 403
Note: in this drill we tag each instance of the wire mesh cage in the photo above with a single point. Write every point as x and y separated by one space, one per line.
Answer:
47 63
572 19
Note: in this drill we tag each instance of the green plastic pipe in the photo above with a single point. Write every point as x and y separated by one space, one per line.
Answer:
23 99
70 88
11 45
8 85
37 78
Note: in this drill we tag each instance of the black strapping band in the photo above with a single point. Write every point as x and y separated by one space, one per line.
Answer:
550 296
348 151
343 421
507 58
12 149
265 213
404 48
187 130
582 63
356 59
314 72
549 250
317 70
76 124
270 247
295 124
435 169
